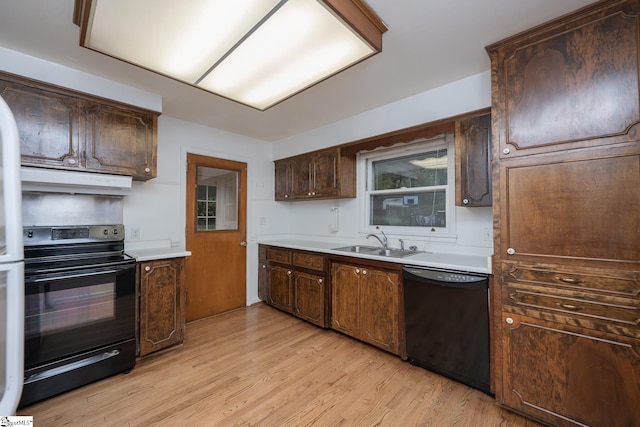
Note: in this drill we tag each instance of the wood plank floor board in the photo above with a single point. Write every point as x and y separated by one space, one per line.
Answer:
257 366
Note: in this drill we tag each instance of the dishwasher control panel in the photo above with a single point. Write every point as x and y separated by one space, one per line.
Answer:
443 275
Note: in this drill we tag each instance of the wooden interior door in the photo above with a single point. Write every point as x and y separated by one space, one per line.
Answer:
216 236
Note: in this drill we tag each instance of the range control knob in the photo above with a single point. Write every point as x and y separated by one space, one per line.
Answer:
115 231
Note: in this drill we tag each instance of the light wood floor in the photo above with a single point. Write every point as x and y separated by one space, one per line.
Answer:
256 366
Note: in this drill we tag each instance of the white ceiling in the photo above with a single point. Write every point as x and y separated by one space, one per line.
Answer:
429 43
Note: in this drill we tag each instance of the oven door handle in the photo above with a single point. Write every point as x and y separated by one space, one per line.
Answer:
79 275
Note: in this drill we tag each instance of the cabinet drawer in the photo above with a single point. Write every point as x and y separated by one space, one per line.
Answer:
621 283
573 304
306 260
279 255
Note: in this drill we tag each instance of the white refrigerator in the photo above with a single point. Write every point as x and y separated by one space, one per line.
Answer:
11 266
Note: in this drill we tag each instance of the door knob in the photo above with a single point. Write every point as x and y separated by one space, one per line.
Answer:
243 243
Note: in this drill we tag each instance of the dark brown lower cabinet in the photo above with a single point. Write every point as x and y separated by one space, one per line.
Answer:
568 375
161 314
365 304
309 297
295 282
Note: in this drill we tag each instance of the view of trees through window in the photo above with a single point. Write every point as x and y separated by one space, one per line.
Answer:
409 191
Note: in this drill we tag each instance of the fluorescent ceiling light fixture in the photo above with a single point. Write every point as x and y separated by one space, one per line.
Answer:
256 52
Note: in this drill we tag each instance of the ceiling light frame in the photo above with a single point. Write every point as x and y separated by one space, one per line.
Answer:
354 21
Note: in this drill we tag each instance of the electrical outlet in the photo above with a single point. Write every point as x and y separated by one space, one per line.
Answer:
135 233
488 234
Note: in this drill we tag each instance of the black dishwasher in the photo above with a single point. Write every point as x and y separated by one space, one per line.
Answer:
447 323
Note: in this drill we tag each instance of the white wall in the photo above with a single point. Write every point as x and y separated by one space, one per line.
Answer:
312 219
157 207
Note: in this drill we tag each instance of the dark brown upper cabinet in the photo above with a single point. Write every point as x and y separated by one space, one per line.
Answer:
473 160
324 174
568 85
64 129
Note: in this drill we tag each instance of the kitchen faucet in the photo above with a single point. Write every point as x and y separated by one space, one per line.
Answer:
382 241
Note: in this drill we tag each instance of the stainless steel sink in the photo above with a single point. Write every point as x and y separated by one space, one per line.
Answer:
375 250
359 249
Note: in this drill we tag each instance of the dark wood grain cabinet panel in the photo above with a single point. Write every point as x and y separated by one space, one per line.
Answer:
49 124
64 129
473 161
280 282
566 197
121 141
309 297
567 376
578 209
324 174
295 282
570 84
161 287
365 304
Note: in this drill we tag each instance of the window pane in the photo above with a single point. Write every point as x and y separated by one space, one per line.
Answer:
217 205
202 209
419 170
202 192
427 209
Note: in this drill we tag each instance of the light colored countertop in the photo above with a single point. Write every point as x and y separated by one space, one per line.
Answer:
459 262
157 253
152 250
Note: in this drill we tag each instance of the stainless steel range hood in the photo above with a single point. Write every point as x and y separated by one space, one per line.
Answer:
62 181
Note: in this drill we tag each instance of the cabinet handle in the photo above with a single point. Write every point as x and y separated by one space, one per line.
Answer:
568 280
147 170
147 268
357 271
309 193
570 306
465 201
506 151
243 243
509 321
320 281
313 193
264 266
72 161
364 271
288 272
286 196
511 251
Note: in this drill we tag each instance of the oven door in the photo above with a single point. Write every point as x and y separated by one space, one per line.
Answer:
71 312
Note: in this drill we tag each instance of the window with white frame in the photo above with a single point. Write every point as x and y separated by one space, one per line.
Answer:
409 188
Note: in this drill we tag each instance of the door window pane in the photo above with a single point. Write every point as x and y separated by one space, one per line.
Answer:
217 199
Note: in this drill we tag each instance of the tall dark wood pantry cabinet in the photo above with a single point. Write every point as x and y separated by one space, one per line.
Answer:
566 197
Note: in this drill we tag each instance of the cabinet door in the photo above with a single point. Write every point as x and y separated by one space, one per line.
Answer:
569 376
280 287
345 299
324 173
161 304
302 178
579 209
48 123
379 308
569 85
473 161
309 297
263 287
283 180
121 141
